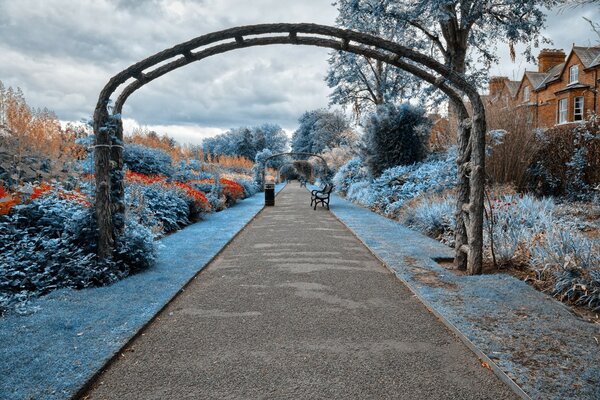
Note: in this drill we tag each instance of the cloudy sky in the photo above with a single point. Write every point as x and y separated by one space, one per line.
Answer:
62 52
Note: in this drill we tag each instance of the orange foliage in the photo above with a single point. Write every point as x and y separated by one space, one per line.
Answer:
7 201
75 196
197 196
231 189
36 130
137 177
40 190
232 162
152 139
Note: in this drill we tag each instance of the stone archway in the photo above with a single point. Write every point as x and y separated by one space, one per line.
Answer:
108 129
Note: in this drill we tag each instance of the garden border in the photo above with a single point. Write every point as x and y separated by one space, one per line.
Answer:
79 370
497 316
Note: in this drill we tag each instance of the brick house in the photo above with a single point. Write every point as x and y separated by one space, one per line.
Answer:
563 90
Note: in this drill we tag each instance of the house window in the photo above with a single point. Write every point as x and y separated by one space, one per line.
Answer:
578 109
574 74
562 111
526 94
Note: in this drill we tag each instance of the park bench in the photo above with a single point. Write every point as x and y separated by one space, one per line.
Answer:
321 196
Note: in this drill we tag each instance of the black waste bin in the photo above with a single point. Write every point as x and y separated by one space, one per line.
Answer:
269 194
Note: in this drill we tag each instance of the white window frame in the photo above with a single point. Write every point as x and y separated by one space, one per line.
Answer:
578 112
526 94
563 112
574 74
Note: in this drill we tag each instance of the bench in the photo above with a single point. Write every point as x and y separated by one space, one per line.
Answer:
321 196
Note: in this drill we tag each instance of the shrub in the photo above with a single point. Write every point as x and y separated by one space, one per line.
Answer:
249 187
50 243
517 221
163 209
259 166
512 145
571 264
351 172
146 160
305 170
568 162
434 218
395 136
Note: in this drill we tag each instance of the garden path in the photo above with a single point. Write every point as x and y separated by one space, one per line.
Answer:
297 307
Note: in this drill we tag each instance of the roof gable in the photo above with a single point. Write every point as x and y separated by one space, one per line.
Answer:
536 78
513 87
589 56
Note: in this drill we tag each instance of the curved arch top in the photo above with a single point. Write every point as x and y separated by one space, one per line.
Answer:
299 34
108 127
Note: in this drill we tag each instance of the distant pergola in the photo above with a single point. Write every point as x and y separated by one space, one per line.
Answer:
294 154
108 128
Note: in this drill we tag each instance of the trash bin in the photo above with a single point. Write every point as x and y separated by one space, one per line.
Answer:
269 194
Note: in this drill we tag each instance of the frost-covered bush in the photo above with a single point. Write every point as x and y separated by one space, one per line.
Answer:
159 208
50 243
395 135
389 192
434 218
147 160
516 221
572 263
351 172
250 187
187 170
136 247
259 166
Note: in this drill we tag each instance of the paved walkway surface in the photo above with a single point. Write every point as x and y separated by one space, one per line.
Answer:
296 307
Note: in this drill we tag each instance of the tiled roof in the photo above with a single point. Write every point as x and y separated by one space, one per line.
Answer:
536 78
513 87
589 56
552 74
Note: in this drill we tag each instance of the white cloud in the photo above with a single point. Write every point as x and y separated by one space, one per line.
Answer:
61 53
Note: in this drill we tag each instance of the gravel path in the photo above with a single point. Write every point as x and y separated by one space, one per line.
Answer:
297 308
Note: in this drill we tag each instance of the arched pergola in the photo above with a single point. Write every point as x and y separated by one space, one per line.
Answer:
294 154
108 129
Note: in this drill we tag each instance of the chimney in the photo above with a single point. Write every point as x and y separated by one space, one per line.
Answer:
496 84
548 58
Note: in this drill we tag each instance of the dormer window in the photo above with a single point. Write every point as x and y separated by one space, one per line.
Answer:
574 74
526 94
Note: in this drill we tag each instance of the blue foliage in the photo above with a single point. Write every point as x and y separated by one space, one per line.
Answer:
247 142
573 261
389 192
160 208
190 170
433 218
136 246
50 243
395 135
147 160
351 172
259 166
250 187
516 220
320 130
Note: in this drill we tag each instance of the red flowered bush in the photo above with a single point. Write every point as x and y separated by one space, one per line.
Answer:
7 201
